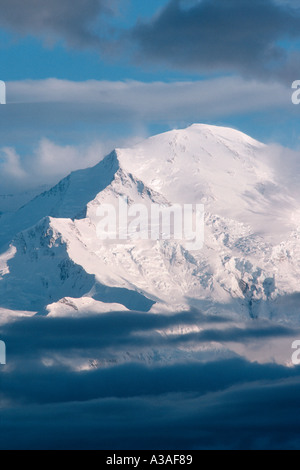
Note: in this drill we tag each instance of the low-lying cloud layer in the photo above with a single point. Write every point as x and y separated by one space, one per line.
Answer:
143 390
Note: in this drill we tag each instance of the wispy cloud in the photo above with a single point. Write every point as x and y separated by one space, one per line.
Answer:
156 98
73 21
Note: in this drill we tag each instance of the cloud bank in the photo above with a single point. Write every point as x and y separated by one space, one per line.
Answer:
253 38
141 390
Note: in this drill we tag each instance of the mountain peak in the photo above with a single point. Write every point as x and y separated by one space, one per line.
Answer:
68 199
225 133
227 171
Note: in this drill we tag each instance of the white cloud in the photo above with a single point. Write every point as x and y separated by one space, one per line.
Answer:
53 160
10 164
224 95
48 163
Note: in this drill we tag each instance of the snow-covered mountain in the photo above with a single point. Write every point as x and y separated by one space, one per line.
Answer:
53 261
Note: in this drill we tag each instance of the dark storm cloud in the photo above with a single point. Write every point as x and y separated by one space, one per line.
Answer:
216 35
235 334
33 336
117 332
45 385
249 416
182 402
71 20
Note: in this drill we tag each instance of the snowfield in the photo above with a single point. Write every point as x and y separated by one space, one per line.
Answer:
52 261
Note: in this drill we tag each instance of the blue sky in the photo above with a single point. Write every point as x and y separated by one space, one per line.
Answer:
27 56
153 65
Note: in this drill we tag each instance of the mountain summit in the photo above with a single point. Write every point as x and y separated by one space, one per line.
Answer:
53 261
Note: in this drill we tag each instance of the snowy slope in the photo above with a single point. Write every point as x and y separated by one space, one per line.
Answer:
249 264
68 199
229 172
